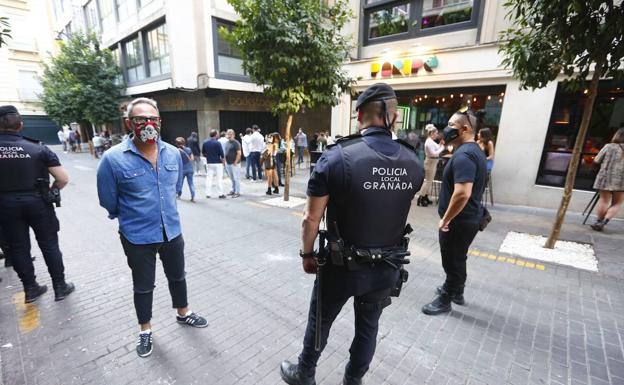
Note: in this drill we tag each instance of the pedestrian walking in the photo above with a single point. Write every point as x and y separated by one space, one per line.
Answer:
72 140
366 234
280 158
187 167
256 146
78 140
26 201
270 164
433 149
301 139
459 207
232 162
223 140
137 182
98 145
610 180
62 138
215 159
192 142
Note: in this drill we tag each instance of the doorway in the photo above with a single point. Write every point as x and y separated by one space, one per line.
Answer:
177 123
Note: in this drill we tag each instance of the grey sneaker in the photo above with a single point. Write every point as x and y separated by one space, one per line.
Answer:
144 346
193 320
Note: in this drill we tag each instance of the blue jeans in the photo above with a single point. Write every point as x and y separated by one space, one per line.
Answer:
189 179
256 169
247 167
300 150
233 171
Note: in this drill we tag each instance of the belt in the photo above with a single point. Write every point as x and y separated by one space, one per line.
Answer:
19 192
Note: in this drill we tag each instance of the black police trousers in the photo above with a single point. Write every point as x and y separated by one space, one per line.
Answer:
142 261
18 213
367 308
454 246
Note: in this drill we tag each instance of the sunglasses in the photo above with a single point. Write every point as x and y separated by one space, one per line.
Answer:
468 113
145 119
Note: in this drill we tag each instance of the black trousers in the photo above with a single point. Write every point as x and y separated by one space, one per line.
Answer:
367 307
454 246
142 261
18 213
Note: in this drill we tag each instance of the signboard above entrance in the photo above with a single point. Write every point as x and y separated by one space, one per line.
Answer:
402 67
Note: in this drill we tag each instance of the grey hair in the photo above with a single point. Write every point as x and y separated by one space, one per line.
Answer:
136 101
230 131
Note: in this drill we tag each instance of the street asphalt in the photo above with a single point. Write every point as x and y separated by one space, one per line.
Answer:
525 322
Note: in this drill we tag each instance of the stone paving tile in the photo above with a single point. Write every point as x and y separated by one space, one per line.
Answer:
520 326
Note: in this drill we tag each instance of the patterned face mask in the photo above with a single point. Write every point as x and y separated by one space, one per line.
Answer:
146 129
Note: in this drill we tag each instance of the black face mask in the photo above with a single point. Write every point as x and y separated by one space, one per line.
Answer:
450 134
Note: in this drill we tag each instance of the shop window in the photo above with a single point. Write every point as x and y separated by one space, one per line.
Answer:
91 16
134 60
228 62
386 20
417 108
107 9
158 51
607 117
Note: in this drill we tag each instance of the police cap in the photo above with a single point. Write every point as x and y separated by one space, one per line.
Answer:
6 110
376 93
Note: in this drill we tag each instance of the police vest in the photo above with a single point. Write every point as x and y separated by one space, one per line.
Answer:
378 191
21 163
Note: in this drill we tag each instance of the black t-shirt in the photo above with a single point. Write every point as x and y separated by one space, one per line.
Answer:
231 148
468 164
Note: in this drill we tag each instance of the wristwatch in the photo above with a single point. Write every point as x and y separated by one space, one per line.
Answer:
307 255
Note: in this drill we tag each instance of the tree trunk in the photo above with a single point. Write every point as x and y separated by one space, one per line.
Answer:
287 176
576 156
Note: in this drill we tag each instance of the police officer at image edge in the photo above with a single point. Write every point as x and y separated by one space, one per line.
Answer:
26 201
366 182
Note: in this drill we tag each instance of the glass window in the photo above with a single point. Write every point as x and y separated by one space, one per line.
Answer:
134 60
444 12
158 51
228 57
117 60
29 85
108 14
91 16
123 9
389 21
402 19
565 121
143 3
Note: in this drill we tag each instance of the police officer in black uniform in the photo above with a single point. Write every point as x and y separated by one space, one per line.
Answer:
367 182
26 201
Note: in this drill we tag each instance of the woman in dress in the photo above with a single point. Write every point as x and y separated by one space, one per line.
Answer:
610 180
268 159
432 155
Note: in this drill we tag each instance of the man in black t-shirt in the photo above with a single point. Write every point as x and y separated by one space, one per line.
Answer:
460 210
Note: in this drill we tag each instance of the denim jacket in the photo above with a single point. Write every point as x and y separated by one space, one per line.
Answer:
142 198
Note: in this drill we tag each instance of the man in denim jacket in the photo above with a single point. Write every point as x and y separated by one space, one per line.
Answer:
137 182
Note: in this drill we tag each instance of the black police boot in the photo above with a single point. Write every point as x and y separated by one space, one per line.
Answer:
348 380
34 291
293 375
457 298
442 304
62 289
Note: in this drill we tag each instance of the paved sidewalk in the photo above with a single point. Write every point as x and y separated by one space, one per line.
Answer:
522 324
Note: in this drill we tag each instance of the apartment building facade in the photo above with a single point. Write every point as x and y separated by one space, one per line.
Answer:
21 64
172 51
440 55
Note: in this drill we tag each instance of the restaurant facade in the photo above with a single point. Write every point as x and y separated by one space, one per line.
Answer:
441 55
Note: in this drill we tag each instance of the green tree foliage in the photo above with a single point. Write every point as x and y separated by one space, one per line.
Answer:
80 82
569 38
295 50
5 30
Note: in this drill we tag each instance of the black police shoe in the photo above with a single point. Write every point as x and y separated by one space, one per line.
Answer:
442 304
348 380
62 289
34 291
144 345
292 375
457 298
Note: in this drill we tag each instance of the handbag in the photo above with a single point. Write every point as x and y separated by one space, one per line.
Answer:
486 218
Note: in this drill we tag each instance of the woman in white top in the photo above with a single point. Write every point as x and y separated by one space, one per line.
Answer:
432 155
